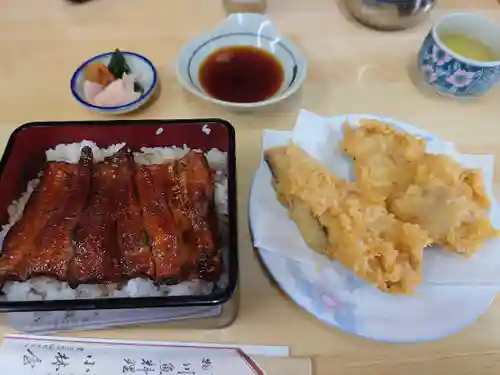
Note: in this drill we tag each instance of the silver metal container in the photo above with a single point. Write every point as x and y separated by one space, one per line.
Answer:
390 14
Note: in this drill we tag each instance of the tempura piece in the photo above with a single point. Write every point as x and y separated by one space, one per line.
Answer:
449 202
433 191
383 157
310 228
364 237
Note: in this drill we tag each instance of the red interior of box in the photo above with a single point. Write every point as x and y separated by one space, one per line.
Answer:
25 152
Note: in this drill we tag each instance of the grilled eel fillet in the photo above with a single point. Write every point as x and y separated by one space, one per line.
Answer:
167 243
105 222
136 256
193 202
56 245
177 200
22 240
97 254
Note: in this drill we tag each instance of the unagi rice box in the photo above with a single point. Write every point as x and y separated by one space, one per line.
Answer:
45 288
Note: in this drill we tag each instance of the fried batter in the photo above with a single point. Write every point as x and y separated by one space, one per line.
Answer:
433 191
383 157
449 202
364 237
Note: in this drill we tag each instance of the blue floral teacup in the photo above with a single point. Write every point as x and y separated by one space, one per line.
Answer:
455 75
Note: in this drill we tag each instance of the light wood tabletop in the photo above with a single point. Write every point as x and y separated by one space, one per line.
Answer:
352 70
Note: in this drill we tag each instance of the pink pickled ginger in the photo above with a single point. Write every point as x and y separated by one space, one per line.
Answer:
91 89
117 93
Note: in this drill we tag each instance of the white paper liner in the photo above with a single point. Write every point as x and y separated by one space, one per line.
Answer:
275 232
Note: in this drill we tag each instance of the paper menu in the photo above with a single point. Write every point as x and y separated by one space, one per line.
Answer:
38 355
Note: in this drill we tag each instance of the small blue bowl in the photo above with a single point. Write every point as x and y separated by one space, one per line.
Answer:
452 74
140 65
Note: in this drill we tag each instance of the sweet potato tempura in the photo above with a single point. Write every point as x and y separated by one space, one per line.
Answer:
433 191
334 220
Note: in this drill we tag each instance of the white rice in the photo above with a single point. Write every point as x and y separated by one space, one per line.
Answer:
44 288
206 129
16 208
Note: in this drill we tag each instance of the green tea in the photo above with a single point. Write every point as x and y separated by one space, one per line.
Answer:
468 47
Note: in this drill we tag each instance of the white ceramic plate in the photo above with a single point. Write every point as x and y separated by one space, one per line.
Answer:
242 29
437 313
434 312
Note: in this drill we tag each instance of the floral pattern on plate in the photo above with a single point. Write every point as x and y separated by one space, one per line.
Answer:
451 76
347 303
325 301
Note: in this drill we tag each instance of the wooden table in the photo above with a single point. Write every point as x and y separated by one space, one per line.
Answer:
352 70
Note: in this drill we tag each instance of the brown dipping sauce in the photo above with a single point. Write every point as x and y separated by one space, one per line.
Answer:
241 74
